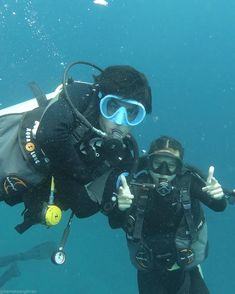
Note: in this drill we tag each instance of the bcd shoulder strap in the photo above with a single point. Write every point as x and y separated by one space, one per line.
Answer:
142 194
140 211
185 199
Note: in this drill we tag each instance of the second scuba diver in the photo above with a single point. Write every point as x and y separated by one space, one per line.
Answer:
160 210
80 135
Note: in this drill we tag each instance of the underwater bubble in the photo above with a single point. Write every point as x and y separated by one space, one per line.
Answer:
155 118
39 30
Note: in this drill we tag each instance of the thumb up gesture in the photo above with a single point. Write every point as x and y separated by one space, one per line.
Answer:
213 188
124 196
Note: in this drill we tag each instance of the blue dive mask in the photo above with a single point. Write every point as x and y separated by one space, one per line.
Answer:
126 112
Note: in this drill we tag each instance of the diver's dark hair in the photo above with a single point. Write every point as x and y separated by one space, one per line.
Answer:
127 82
166 142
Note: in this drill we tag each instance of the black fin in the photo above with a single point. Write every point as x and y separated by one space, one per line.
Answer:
41 251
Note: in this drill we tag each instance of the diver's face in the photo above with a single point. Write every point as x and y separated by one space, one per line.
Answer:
118 115
112 129
163 168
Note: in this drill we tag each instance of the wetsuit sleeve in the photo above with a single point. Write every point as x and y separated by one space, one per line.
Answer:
70 194
196 191
55 138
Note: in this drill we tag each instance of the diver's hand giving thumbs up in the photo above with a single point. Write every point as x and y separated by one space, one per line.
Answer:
124 196
213 188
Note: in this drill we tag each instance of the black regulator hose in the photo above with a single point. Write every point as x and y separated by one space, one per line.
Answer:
77 113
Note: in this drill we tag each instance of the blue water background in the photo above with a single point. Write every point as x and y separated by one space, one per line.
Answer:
187 51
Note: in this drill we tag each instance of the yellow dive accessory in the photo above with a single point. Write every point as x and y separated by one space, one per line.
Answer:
51 214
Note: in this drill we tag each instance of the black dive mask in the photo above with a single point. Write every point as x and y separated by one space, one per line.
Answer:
163 169
164 164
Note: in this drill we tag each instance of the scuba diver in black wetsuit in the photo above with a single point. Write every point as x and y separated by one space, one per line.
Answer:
160 210
38 252
80 135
